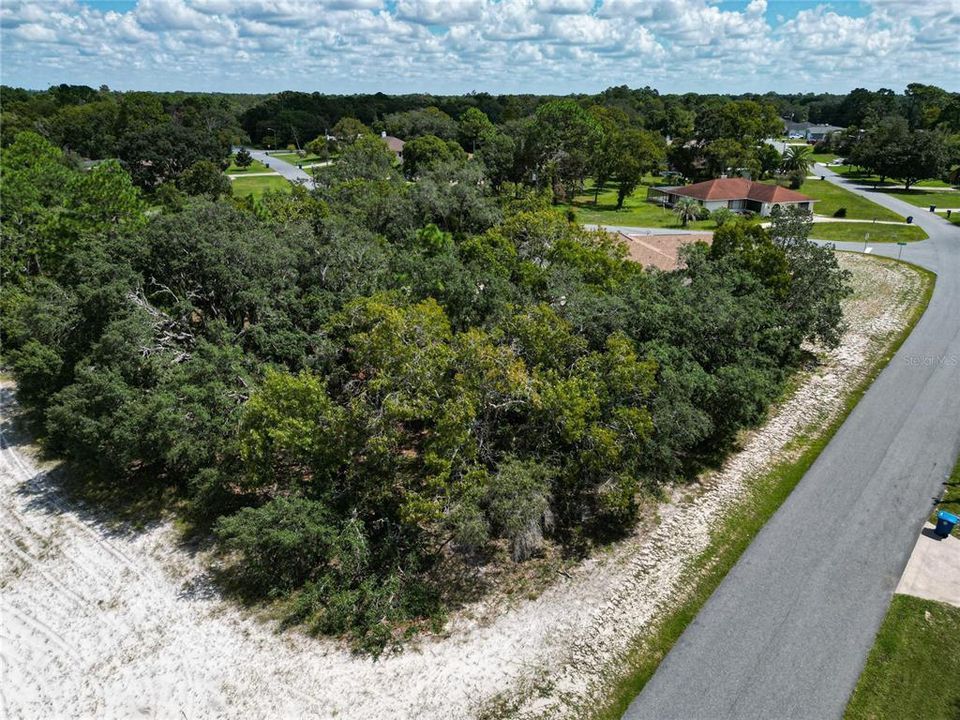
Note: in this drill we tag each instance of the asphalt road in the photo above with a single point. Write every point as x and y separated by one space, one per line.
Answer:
787 632
289 171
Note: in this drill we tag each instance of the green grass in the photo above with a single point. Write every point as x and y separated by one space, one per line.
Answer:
913 670
636 211
824 157
731 537
951 499
257 186
854 232
926 198
833 197
852 172
255 167
295 159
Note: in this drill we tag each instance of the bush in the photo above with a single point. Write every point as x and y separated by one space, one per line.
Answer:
840 213
283 543
722 215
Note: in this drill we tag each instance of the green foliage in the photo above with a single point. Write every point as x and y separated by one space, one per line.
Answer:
205 178
368 388
243 159
428 151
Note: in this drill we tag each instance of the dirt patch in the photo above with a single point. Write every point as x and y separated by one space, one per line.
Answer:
660 251
98 622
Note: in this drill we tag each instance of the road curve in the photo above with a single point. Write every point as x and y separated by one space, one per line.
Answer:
787 632
288 170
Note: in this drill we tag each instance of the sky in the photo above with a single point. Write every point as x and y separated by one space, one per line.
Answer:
496 46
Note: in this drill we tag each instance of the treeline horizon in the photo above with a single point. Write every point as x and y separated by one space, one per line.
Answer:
853 108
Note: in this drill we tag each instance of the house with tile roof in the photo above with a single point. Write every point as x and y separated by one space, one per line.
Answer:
394 144
737 194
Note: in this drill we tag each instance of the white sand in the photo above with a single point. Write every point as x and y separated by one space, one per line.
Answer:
114 625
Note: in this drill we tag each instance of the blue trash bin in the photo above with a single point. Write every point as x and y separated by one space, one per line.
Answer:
946 522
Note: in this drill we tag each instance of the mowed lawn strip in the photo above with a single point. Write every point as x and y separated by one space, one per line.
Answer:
852 172
913 670
878 233
257 186
926 198
255 167
833 197
295 159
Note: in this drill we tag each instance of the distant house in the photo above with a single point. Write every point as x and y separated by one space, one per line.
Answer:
737 194
395 144
808 131
816 133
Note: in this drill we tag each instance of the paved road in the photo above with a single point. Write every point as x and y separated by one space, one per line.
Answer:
787 632
289 171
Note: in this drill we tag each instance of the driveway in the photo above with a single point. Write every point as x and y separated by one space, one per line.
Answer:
787 632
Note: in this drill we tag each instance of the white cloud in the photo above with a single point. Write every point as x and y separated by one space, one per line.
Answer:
495 45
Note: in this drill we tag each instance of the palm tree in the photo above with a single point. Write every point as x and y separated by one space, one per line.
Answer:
797 159
687 209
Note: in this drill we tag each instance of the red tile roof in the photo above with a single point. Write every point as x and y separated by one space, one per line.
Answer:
395 144
740 189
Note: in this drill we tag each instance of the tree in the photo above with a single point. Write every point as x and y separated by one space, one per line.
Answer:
563 139
474 128
165 151
243 159
769 159
686 209
797 159
726 155
318 147
498 158
635 153
890 149
414 123
205 178
427 151
348 130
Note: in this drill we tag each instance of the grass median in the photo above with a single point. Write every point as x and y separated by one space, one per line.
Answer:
875 233
732 537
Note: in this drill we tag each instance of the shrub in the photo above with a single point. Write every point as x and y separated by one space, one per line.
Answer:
840 213
722 215
283 543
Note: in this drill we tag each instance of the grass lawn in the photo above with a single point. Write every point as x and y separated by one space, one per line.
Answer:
913 670
925 198
950 501
854 232
636 211
257 186
854 173
255 167
833 197
824 157
955 218
295 159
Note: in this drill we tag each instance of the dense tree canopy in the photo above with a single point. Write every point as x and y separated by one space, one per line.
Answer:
368 389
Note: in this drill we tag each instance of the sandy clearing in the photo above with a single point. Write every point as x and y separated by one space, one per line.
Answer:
95 622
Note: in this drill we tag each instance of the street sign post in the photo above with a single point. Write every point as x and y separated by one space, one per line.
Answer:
900 251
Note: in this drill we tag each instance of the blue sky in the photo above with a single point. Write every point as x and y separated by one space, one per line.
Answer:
450 46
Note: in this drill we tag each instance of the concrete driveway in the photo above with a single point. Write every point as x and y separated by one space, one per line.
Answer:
787 632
